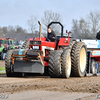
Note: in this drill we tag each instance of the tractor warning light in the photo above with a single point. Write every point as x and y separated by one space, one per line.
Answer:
66 41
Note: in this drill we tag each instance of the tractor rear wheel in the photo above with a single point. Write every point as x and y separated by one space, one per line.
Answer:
71 45
93 69
51 64
79 59
57 62
9 66
8 63
66 64
2 56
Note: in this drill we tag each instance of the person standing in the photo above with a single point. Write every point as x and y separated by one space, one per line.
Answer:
4 52
98 35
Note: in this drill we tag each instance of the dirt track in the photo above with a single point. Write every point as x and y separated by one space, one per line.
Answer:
73 84
50 95
86 84
45 83
2 63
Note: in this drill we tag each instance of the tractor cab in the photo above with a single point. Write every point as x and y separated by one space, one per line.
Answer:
41 44
62 40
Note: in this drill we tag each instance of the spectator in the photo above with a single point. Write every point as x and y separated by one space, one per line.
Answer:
4 52
98 35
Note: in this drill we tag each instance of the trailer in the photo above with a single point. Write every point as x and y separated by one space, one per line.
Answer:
93 56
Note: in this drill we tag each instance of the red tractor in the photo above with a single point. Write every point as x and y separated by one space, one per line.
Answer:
61 58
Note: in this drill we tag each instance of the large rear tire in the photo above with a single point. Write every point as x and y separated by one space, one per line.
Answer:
57 62
71 45
9 66
79 59
8 62
66 64
51 64
2 56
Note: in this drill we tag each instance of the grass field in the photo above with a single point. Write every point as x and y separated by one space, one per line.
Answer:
2 70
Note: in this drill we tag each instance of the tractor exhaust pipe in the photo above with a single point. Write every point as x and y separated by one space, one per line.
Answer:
40 30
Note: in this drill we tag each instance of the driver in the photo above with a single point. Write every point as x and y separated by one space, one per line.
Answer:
51 35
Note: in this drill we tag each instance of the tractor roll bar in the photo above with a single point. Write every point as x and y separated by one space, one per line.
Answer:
59 24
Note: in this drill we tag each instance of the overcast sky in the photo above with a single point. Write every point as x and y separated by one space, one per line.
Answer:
17 12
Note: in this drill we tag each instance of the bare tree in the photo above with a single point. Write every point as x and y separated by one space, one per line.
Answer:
32 23
94 22
1 32
4 30
80 28
75 28
11 29
19 29
84 28
87 28
50 16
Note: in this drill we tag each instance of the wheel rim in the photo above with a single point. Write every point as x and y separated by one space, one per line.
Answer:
68 65
93 67
82 59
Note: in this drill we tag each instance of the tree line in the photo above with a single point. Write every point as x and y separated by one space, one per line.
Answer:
11 29
84 28
87 27
81 28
